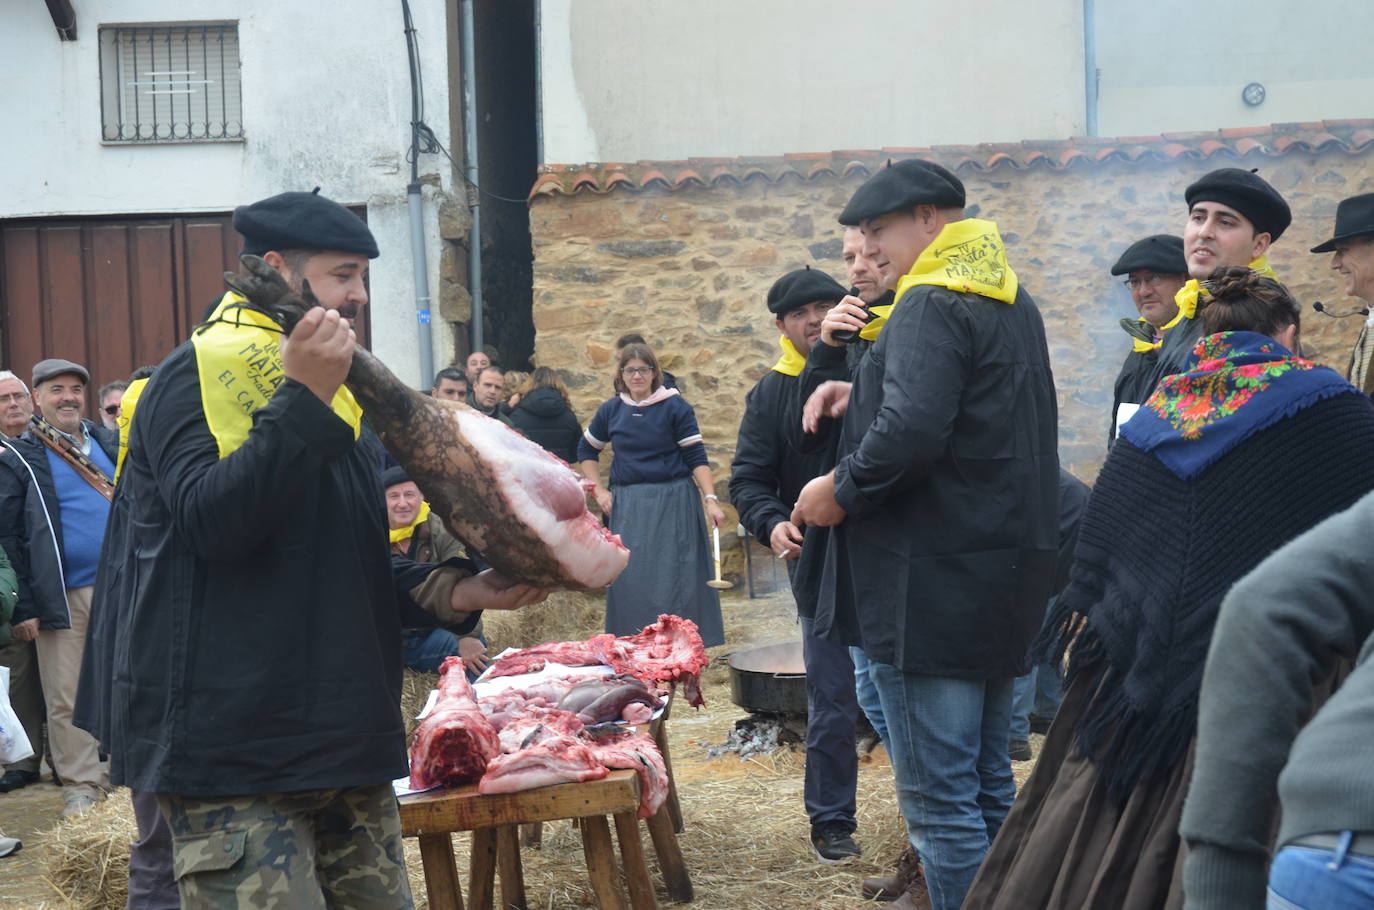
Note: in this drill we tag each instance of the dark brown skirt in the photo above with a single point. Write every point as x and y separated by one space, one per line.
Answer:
1066 846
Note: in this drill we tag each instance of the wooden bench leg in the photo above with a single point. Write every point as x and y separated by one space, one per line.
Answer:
632 859
441 872
671 803
601 868
532 835
508 863
482 886
669 853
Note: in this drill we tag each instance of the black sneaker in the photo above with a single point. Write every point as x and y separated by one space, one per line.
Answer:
834 843
1019 750
1040 723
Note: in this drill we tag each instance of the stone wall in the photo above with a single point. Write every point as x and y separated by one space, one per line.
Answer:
689 268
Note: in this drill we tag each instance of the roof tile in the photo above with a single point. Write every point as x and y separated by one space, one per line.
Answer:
1352 136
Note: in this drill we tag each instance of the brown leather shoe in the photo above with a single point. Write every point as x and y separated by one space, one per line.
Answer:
917 895
892 887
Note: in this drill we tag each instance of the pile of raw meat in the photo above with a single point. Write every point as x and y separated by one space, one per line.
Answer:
550 714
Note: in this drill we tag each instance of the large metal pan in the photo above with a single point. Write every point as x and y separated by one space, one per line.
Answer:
769 679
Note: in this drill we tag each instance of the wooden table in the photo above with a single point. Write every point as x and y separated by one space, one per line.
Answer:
494 819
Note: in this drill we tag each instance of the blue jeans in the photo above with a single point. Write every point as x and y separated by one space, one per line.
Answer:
948 740
425 651
1038 692
1310 878
868 695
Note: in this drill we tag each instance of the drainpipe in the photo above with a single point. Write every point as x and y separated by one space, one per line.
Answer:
415 202
470 160
1090 74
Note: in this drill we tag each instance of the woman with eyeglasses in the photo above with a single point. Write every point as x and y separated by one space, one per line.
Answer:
659 479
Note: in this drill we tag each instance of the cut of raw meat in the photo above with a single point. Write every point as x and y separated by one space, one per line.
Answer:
568 653
637 753
670 650
556 760
538 724
604 698
522 508
455 741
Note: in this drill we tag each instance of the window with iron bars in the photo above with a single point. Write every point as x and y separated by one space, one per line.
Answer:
170 83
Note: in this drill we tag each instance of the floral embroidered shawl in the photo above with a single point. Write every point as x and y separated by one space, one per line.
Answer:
1240 383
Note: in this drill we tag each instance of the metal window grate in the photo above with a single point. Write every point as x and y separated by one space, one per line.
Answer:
170 83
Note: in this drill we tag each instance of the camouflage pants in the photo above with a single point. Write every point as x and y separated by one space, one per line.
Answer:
310 850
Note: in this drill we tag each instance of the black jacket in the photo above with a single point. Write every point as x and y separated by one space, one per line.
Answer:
1134 384
948 472
30 525
245 606
770 469
544 417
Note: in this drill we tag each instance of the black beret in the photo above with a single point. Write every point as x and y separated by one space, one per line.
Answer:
1160 253
1247 193
394 475
797 289
302 221
903 186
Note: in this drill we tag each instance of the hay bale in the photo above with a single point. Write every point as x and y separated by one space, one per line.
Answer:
565 616
88 856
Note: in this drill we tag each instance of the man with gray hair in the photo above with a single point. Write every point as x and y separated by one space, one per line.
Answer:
16 405
55 484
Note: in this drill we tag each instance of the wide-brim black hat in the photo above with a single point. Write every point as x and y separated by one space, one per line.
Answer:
1247 193
903 186
1159 253
302 221
803 286
1354 218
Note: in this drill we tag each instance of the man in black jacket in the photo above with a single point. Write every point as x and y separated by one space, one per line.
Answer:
253 679
768 472
944 506
52 519
1155 270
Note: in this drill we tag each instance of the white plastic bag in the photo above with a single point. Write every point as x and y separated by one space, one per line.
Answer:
14 742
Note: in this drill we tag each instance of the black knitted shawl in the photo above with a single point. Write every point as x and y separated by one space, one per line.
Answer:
1156 555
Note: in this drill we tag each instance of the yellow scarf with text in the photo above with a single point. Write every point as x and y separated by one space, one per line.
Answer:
126 419
967 256
791 362
400 534
238 359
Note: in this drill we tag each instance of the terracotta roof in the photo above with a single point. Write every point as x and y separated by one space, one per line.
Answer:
1350 136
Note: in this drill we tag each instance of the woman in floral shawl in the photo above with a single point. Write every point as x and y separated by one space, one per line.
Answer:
1220 467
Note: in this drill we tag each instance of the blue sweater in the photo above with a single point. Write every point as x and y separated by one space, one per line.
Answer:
84 512
653 444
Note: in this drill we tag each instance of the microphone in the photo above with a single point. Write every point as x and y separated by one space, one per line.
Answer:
846 336
1321 308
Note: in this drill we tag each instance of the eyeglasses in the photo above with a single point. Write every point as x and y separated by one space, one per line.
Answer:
1150 279
111 409
14 396
637 371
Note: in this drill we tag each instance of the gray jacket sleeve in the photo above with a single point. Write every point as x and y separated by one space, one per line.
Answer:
1280 632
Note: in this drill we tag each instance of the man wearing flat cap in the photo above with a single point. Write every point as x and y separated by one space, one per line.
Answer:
54 480
769 470
247 558
1352 249
1233 218
1155 270
943 507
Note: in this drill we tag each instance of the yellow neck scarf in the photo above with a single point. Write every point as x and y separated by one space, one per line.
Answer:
400 534
239 364
126 419
967 256
791 362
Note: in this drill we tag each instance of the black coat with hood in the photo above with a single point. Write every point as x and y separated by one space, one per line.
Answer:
544 417
31 526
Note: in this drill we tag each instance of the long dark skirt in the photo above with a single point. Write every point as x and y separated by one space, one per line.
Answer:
670 560
1067 844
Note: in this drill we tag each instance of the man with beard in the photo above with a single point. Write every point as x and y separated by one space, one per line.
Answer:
1155 270
768 472
943 508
